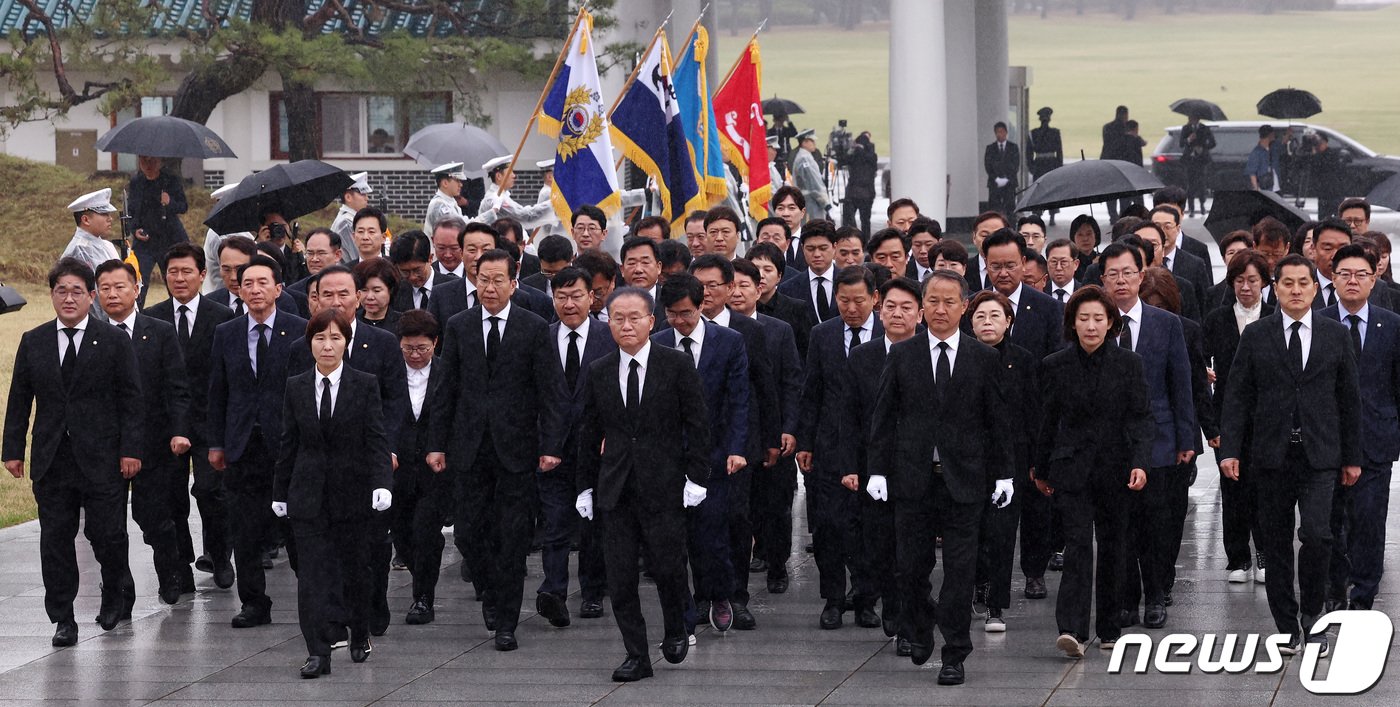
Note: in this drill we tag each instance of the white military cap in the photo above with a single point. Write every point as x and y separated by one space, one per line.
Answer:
451 170
99 201
545 164
773 141
223 191
361 184
495 162
808 134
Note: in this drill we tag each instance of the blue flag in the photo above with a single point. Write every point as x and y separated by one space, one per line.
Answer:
573 113
698 116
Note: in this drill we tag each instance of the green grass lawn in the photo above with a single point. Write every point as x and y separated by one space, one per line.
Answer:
1084 66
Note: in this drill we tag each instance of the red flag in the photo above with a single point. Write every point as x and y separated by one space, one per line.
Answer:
738 106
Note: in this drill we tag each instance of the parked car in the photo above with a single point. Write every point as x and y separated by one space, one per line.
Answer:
1234 139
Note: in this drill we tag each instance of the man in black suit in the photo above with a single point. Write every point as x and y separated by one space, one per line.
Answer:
555 253
975 270
1359 512
247 379
80 373
234 253
503 414
195 318
647 403
791 206
166 402
769 261
1294 399
641 268
457 296
835 509
1002 162
815 286
447 246
1061 261
1329 237
1039 317
1175 197
323 249
580 339
933 434
1179 261
512 230
410 253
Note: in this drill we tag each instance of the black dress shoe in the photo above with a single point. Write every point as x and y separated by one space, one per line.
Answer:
465 572
743 618
921 652
398 564
1057 562
66 634
1167 598
979 599
632 670
591 609
109 617
902 648
249 618
488 615
505 641
866 617
420 613
267 559
778 585
204 563
758 564
1155 616
951 674
223 574
1127 617
316 666
187 585
831 615
1035 588
674 650
889 623
379 625
552 607
360 650
850 602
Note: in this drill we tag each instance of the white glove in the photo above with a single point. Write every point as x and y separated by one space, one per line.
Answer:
1002 181
381 500
694 493
1001 496
584 504
279 509
877 488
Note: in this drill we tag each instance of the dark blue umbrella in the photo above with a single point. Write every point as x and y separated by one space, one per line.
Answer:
164 136
293 190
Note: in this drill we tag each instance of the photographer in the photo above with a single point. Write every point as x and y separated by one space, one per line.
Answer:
1326 173
274 229
862 164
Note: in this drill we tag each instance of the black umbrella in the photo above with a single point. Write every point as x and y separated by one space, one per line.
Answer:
164 136
294 190
1199 107
1386 194
1087 182
1240 210
775 106
1289 104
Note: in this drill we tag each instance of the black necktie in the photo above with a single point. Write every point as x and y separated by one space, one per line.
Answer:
183 329
823 303
571 361
261 329
987 282
1060 294
687 343
238 308
1295 355
471 299
70 357
944 370
1355 323
1125 340
422 298
1167 262
325 398
493 339
1331 295
855 340
634 392
123 327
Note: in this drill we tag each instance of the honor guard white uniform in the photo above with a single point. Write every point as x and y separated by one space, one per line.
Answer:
93 250
443 205
775 175
497 202
344 223
807 176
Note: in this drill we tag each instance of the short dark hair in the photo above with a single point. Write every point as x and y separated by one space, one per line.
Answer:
264 261
773 221
1135 210
924 224
855 276
1001 237
987 216
1000 124
771 253
1350 250
411 246
1270 230
714 260
846 232
418 322
900 203
630 292
698 215
1117 249
788 191
1333 224
881 273
744 266
327 318
114 266
1083 296
1233 237
269 210
1150 226
1242 261
1294 260
555 248
886 234
1354 202
595 263
376 267
673 252
1142 247
1169 195
1063 243
496 255
678 287
569 276
72 266
723 213
947 275
633 242
478 227
242 244
371 212
182 250
1171 211
338 268
654 222
1082 220
1158 282
1033 220
507 225
1265 131
820 228
949 250
510 248
903 284
331 236
272 251
1301 234
592 212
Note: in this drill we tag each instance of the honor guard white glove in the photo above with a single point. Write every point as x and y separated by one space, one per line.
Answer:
279 509
693 494
381 500
584 504
1002 181
1001 496
877 488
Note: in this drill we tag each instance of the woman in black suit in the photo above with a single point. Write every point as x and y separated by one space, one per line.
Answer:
1247 275
377 280
992 315
1096 433
1085 233
333 470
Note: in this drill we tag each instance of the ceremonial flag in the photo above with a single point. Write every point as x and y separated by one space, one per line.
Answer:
698 117
572 111
646 124
738 107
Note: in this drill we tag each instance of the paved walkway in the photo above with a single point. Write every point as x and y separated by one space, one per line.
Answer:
187 654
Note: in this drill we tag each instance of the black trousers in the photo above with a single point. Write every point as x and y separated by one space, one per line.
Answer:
1178 502
179 501
739 522
1238 519
629 531
64 495
1100 513
915 551
333 585
1150 539
771 492
152 501
853 208
212 501
557 495
377 559
1296 486
1037 519
248 482
1002 199
836 537
494 525
1358 535
707 542
878 547
997 550
422 507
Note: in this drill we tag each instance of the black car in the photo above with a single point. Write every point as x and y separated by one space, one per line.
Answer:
1361 170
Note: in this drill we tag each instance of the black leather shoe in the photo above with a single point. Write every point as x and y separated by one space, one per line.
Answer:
1057 562
951 674
488 614
674 650
465 572
505 641
920 652
632 670
66 634
360 650
591 609
743 618
204 563
1155 616
249 618
849 603
889 623
1035 588
866 617
831 615
552 608
316 666
223 574
187 580
902 648
758 564
979 599
420 613
267 559
778 585
169 591
379 625
1127 618
1167 598
109 617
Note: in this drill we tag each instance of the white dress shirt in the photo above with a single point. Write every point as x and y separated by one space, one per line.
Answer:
459 271
1068 287
193 307
418 291
130 323
1322 284
1133 320
933 342
697 338
1244 316
828 282
1364 314
253 336
417 387
500 326
471 292
1304 334
77 338
722 318
624 365
334 377
888 344
563 340
867 330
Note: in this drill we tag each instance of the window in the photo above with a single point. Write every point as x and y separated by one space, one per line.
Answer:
357 125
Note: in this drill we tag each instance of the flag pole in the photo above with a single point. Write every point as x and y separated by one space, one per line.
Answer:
740 58
637 69
548 84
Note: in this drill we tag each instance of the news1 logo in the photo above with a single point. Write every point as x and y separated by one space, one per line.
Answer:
1355 665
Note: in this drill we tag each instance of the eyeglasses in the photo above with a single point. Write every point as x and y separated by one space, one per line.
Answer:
1002 267
587 228
635 320
64 294
1352 275
1354 221
416 350
566 297
1119 274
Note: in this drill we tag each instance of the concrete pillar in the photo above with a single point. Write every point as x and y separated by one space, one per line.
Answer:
963 146
918 93
993 76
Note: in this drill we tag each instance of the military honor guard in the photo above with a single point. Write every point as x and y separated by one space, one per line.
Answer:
449 178
356 197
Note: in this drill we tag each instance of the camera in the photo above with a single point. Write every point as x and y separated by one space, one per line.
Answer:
276 231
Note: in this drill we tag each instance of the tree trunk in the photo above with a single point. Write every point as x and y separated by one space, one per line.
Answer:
303 127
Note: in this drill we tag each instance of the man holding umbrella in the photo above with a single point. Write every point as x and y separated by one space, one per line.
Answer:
154 201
